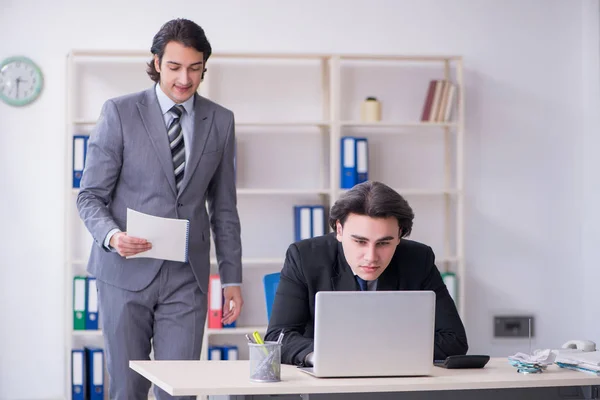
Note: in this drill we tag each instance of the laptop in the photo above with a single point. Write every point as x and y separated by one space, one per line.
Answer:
371 333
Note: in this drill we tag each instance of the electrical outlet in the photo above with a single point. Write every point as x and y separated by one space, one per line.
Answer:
513 326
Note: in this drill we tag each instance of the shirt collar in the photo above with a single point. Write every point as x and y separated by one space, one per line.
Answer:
368 282
166 103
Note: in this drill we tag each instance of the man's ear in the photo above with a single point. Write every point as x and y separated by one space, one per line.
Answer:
156 63
339 230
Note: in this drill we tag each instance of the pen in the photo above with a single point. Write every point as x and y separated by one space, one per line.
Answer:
250 340
259 340
280 338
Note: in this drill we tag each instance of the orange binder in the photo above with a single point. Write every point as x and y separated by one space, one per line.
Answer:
215 302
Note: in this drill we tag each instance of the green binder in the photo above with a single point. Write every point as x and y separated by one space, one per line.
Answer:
79 294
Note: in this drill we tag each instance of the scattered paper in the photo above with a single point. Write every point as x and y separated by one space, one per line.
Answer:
589 360
532 363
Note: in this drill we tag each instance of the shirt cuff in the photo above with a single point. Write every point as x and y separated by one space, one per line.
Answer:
309 359
109 236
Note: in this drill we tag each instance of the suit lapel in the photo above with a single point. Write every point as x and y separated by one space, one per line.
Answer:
390 278
203 118
155 126
342 278
344 281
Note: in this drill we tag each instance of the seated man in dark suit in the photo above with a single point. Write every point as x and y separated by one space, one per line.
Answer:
367 251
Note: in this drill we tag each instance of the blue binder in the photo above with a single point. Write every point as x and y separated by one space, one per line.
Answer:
91 304
95 376
362 160
317 221
302 222
215 353
231 325
348 159
229 352
270 283
79 154
78 378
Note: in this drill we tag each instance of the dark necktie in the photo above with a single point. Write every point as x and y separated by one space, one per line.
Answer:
362 284
176 142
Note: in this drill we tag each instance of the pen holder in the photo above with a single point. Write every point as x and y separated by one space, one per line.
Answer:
265 362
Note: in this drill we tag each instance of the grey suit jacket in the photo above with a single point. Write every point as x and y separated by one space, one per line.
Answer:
129 164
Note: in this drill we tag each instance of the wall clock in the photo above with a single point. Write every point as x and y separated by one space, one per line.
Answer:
21 81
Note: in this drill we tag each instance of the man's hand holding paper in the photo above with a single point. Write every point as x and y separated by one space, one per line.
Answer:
128 246
167 237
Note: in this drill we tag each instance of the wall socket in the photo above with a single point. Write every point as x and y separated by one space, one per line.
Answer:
513 326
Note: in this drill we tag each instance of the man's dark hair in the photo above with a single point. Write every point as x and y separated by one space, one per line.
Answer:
184 31
376 200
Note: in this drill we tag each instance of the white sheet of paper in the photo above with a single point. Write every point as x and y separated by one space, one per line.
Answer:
169 236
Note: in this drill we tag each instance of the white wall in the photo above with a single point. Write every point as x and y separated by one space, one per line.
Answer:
529 67
591 168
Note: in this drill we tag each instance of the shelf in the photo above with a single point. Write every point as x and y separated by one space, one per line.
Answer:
256 262
291 192
421 192
283 192
284 123
384 124
280 261
110 55
83 122
135 54
250 262
450 260
426 192
87 332
383 57
318 118
126 54
236 331
89 122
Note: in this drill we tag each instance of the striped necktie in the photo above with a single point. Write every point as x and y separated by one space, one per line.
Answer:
362 284
176 142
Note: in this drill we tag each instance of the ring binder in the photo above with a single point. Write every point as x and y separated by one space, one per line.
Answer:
187 239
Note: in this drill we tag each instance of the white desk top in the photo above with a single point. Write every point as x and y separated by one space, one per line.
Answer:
232 377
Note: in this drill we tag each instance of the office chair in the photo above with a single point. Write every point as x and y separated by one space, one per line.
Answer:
270 282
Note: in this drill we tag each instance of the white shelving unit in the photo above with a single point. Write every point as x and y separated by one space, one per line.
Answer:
291 111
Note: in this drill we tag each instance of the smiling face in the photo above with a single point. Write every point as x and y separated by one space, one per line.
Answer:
369 243
180 71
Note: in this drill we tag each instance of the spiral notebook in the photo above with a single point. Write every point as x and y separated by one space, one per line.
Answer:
169 236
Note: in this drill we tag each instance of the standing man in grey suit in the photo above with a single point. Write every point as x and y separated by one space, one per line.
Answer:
168 152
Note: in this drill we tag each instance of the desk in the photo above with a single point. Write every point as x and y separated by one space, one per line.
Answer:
231 378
